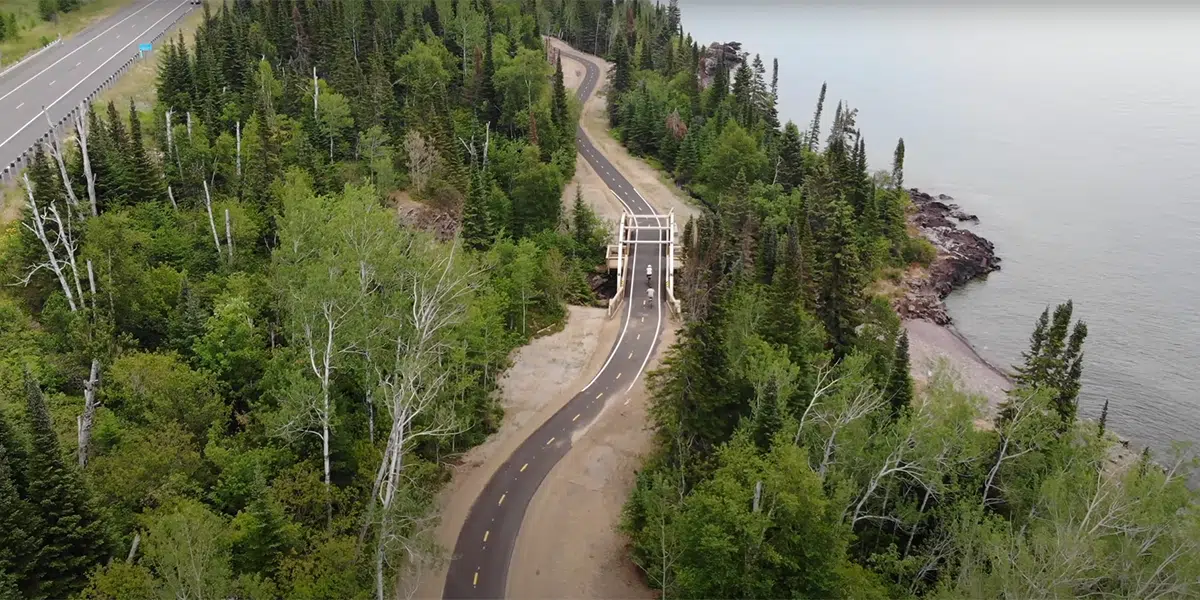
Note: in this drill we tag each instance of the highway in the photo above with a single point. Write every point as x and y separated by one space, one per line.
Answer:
64 76
479 565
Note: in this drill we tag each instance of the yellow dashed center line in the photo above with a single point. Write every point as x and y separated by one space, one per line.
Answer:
524 466
550 441
600 395
618 375
576 418
475 582
501 502
485 535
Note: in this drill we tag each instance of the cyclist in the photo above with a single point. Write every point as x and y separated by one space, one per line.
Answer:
649 296
649 273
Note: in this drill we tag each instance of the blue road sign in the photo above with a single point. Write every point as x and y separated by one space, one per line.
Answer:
144 47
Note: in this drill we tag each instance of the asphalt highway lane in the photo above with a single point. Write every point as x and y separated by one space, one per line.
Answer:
479 566
63 77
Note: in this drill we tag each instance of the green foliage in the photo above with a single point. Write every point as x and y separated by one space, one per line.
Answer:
72 534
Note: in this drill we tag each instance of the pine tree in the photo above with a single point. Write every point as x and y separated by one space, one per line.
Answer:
814 130
899 387
719 88
1055 361
898 165
19 528
73 537
622 73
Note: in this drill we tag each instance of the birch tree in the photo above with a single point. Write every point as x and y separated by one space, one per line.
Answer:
411 386
317 277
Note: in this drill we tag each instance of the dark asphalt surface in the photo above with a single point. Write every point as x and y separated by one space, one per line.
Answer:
63 77
479 566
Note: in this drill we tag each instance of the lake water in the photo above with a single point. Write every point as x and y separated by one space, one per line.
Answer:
1074 134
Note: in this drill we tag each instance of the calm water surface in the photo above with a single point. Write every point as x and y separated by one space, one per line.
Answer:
1073 133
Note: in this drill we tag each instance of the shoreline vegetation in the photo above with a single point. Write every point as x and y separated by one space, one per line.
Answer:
793 454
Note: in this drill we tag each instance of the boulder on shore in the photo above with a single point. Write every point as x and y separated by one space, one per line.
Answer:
962 255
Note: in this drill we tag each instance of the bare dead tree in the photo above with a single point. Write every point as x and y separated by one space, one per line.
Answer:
56 151
423 158
88 418
81 136
189 126
171 195
39 219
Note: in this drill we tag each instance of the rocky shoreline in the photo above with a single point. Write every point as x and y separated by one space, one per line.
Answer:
962 255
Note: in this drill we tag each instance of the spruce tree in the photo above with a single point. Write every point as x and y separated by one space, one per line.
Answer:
1055 360
73 536
646 58
19 528
899 385
476 220
719 88
898 165
814 130
1103 419
489 110
840 278
791 158
145 182
559 112
14 449
622 72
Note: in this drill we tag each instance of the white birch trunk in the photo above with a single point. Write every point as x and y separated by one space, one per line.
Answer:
90 404
171 195
229 236
238 129
211 223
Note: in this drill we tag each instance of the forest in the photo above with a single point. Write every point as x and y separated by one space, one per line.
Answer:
227 369
793 456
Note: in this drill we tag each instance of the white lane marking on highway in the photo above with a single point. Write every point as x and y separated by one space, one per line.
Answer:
524 466
54 82
39 73
78 63
549 441
118 36
639 336
618 375
502 496
485 535
576 418
630 356
85 77
20 105
600 395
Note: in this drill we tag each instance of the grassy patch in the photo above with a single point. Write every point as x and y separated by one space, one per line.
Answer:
35 33
140 82
12 198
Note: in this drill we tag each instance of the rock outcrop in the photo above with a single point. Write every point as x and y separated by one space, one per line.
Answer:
962 256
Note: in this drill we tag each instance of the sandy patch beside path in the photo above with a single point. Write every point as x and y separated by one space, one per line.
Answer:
569 546
545 374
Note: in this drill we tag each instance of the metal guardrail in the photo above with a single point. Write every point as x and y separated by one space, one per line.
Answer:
62 125
57 41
